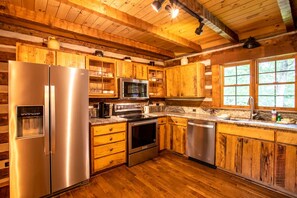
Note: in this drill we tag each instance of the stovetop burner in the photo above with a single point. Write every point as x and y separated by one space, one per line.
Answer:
137 117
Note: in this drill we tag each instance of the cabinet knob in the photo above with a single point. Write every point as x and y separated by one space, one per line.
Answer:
111 149
110 139
110 129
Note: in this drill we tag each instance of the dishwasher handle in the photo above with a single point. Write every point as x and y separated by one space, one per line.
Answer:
201 125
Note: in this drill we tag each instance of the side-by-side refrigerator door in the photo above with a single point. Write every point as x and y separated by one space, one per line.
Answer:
28 129
69 126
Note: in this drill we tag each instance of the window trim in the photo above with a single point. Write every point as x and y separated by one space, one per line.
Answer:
250 85
276 58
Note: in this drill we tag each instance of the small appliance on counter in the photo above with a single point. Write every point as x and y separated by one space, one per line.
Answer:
104 110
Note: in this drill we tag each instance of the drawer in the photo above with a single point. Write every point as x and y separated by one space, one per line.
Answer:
251 132
106 139
286 137
109 128
162 120
108 149
178 121
109 161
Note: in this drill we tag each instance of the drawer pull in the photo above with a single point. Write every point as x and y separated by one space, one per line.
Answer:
110 139
110 129
111 149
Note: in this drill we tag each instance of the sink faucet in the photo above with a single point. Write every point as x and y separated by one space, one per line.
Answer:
252 106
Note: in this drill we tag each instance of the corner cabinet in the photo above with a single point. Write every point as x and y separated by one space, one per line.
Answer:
108 146
156 78
102 77
187 81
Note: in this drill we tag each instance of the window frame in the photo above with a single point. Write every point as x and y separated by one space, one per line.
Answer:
251 90
275 58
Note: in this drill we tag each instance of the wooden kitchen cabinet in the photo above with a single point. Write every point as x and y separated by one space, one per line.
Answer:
286 161
140 71
172 82
125 69
43 55
71 60
102 77
162 132
156 78
108 146
192 77
176 134
35 54
187 81
247 151
131 70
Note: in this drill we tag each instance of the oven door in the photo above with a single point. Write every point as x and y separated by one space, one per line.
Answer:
142 135
133 89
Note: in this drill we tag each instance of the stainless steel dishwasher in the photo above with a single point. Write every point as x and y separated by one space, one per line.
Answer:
201 141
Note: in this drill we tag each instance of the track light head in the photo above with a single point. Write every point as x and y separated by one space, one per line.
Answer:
157 4
199 30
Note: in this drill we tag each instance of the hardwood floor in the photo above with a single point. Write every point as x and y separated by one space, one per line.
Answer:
169 175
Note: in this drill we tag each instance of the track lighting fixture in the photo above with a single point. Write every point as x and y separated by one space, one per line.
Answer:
157 4
199 30
172 10
251 43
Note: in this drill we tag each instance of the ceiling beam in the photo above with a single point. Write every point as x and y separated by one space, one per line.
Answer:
110 13
209 19
286 12
43 22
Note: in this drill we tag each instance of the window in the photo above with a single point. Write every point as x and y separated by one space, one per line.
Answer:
236 88
276 83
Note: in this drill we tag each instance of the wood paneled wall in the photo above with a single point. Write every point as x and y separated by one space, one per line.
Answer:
285 44
4 137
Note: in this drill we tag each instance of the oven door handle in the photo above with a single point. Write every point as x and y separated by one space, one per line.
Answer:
137 123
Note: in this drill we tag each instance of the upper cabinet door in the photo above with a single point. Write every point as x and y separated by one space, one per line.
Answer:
125 69
192 80
140 71
35 54
173 82
71 60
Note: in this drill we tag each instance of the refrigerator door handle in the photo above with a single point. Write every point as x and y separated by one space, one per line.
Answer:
53 117
46 120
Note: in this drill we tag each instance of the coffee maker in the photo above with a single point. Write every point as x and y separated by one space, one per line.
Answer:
104 110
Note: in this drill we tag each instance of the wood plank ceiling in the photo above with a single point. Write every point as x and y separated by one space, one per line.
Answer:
134 24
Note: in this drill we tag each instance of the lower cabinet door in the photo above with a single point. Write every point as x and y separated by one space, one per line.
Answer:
162 136
286 167
179 139
251 158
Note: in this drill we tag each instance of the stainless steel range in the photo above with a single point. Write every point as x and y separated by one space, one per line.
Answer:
142 134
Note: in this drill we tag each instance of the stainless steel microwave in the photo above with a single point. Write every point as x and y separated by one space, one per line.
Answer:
133 89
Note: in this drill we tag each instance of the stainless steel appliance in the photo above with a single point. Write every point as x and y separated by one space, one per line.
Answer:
104 110
133 89
48 127
142 133
201 141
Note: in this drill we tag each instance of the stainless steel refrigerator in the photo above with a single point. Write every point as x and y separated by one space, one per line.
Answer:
48 126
